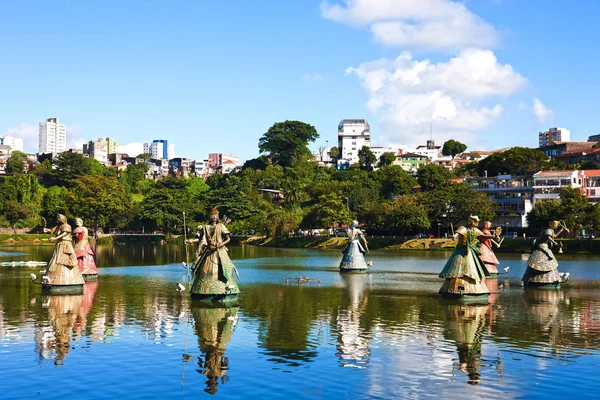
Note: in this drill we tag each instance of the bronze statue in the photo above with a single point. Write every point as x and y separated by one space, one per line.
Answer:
63 274
542 266
353 259
487 241
464 272
84 252
213 269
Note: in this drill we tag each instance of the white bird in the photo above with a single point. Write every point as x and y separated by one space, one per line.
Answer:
506 269
370 264
184 264
45 280
33 277
180 288
501 286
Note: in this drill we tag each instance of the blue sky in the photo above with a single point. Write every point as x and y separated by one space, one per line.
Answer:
213 76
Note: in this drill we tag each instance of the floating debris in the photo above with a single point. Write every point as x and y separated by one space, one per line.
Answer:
303 279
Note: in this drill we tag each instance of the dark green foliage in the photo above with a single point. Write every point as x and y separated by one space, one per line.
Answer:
366 158
453 147
334 152
386 159
15 164
394 181
514 161
286 143
433 176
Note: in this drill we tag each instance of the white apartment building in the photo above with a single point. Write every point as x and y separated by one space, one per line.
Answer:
53 136
14 142
547 185
160 148
431 151
353 134
554 135
378 151
201 168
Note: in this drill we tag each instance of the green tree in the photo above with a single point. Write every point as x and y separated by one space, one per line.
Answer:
286 143
453 147
15 163
386 159
405 213
394 181
54 202
334 152
70 166
366 158
433 176
329 211
514 161
258 163
542 213
101 196
456 201
133 175
15 212
164 204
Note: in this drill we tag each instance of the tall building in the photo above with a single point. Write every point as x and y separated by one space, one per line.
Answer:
554 135
53 136
353 134
13 142
160 148
111 146
594 138
98 150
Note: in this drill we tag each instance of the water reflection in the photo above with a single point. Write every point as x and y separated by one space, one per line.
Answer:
214 327
353 341
465 325
66 314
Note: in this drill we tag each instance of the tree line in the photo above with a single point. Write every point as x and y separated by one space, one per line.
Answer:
281 191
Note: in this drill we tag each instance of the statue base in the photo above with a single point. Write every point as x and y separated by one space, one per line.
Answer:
481 298
215 298
90 277
536 285
353 270
63 289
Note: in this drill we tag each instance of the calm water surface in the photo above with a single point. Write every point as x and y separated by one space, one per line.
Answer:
385 334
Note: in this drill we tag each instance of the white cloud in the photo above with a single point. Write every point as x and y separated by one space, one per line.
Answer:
132 149
75 138
316 77
540 110
408 94
29 133
522 105
433 24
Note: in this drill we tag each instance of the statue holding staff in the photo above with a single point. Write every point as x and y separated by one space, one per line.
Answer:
62 268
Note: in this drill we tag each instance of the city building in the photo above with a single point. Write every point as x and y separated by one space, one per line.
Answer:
14 142
200 168
353 134
430 150
591 184
158 168
180 166
547 185
411 162
554 135
222 163
112 146
98 150
513 196
594 138
160 148
558 148
53 136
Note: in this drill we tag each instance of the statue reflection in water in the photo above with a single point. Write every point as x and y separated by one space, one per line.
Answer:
214 327
546 317
465 325
353 342
66 314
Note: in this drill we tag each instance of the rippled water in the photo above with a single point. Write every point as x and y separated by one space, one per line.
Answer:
385 334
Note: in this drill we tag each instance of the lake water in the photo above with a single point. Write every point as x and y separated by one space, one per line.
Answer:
381 335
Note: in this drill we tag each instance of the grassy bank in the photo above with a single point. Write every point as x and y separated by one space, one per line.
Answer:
35 238
517 246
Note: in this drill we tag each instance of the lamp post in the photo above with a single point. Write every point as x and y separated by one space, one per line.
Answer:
507 228
439 225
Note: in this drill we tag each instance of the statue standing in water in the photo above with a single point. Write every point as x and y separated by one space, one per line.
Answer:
542 266
213 269
84 252
62 268
353 259
464 272
487 254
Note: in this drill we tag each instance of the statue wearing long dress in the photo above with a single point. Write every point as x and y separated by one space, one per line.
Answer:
487 253
464 272
542 266
213 269
84 252
62 268
354 259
